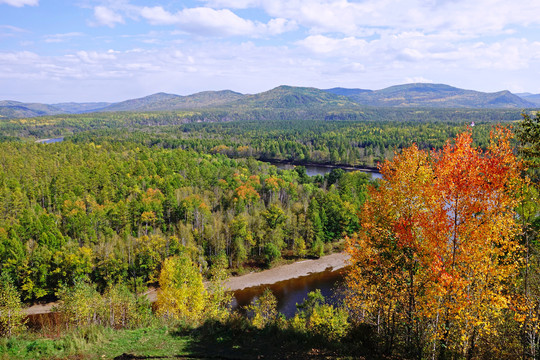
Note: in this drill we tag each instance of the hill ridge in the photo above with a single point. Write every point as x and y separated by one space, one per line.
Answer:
288 97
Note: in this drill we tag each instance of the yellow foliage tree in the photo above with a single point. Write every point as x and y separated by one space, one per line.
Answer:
182 295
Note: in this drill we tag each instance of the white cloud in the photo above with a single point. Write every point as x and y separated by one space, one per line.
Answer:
465 17
20 3
8 31
58 38
417 79
14 29
18 57
94 56
107 17
235 4
460 19
158 16
326 45
208 21
247 67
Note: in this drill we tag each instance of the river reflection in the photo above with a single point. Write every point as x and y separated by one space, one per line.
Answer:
294 291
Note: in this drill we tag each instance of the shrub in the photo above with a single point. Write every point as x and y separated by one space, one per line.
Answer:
329 322
79 304
263 310
12 317
320 319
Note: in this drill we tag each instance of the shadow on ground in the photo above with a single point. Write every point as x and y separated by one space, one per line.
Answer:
237 340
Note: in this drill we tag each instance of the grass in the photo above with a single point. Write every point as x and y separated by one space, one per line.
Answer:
235 339
157 342
96 343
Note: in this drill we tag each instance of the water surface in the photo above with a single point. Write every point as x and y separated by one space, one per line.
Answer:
313 170
294 291
50 141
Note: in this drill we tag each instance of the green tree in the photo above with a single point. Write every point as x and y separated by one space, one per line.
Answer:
12 316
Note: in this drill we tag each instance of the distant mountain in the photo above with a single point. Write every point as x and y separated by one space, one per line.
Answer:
347 92
15 109
534 98
291 97
433 95
77 108
167 102
147 103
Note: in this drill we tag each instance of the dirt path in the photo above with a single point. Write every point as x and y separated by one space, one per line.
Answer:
270 276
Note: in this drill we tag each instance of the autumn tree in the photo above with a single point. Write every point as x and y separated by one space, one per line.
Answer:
182 295
437 248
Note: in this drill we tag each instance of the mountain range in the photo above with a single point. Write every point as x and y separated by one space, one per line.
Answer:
421 95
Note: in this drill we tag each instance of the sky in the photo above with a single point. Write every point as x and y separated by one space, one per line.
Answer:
111 50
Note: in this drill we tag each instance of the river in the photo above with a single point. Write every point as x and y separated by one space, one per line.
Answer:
313 170
50 141
294 291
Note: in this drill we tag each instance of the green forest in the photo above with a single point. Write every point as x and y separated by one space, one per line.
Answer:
183 200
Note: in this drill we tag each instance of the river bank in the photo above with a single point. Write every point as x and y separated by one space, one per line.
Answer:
265 277
289 271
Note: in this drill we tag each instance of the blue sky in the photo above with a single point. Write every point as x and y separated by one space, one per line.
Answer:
106 50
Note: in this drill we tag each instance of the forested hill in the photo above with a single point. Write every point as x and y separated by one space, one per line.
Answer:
290 98
162 101
432 95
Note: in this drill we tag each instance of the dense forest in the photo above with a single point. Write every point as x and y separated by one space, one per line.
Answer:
131 200
300 142
114 212
59 125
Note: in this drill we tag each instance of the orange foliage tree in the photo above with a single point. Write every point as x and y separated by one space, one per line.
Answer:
437 250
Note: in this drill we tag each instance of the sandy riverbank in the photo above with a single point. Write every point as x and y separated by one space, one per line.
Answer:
266 277
286 272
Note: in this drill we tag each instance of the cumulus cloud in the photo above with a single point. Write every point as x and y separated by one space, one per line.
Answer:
158 16
20 3
460 18
208 21
107 17
352 18
327 45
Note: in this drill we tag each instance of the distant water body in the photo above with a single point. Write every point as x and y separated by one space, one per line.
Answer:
313 170
50 141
